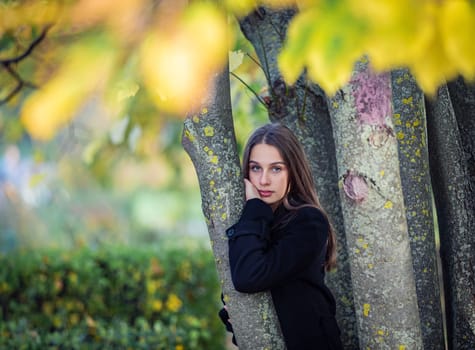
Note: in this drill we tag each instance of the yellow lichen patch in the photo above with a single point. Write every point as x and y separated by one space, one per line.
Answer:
196 119
214 159
189 136
402 347
416 123
209 131
388 205
345 300
211 183
400 135
366 309
370 266
381 332
407 101
204 110
335 104
224 216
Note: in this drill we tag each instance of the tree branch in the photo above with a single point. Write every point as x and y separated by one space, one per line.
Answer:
7 65
250 89
30 48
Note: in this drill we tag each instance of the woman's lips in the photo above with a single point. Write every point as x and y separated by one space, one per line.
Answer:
265 194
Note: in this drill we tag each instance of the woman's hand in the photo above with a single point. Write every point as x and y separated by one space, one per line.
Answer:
251 190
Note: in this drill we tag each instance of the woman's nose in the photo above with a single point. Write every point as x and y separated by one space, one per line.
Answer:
264 180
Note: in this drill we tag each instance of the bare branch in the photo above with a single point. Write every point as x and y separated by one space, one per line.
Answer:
30 48
12 93
7 65
250 89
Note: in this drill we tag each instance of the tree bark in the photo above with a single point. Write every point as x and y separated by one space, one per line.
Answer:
209 139
374 213
410 131
303 109
451 161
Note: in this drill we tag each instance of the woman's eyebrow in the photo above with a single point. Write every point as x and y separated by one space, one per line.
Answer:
280 162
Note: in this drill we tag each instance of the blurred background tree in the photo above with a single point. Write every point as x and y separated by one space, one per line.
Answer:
90 149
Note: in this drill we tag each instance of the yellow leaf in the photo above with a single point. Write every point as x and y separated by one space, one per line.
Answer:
292 58
457 27
241 7
157 305
126 90
327 50
433 68
123 17
177 64
235 59
40 13
173 302
84 68
398 30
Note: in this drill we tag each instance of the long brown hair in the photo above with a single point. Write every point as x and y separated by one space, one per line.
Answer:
301 187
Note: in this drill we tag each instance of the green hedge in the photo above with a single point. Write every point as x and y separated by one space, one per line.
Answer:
112 298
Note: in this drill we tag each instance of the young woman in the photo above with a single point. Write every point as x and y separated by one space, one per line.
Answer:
283 241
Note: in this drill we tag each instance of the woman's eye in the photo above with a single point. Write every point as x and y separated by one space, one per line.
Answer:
255 168
276 169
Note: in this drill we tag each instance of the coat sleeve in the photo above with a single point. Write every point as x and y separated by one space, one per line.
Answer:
258 265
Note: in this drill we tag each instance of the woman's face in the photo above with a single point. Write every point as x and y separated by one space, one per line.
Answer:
268 173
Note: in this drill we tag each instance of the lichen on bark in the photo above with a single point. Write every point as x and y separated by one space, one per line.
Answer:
376 229
208 137
410 130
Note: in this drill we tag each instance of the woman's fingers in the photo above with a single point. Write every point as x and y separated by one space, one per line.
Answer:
251 190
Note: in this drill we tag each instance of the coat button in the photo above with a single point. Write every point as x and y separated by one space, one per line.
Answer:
230 232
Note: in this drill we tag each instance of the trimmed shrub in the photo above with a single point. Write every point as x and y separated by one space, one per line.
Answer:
112 298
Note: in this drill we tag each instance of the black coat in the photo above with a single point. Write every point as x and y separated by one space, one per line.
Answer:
284 252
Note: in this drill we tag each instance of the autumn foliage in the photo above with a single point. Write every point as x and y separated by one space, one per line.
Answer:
170 49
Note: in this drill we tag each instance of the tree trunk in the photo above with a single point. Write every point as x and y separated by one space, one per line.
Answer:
451 160
303 109
410 131
374 214
209 139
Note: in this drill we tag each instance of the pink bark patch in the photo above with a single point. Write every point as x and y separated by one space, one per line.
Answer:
355 186
372 95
